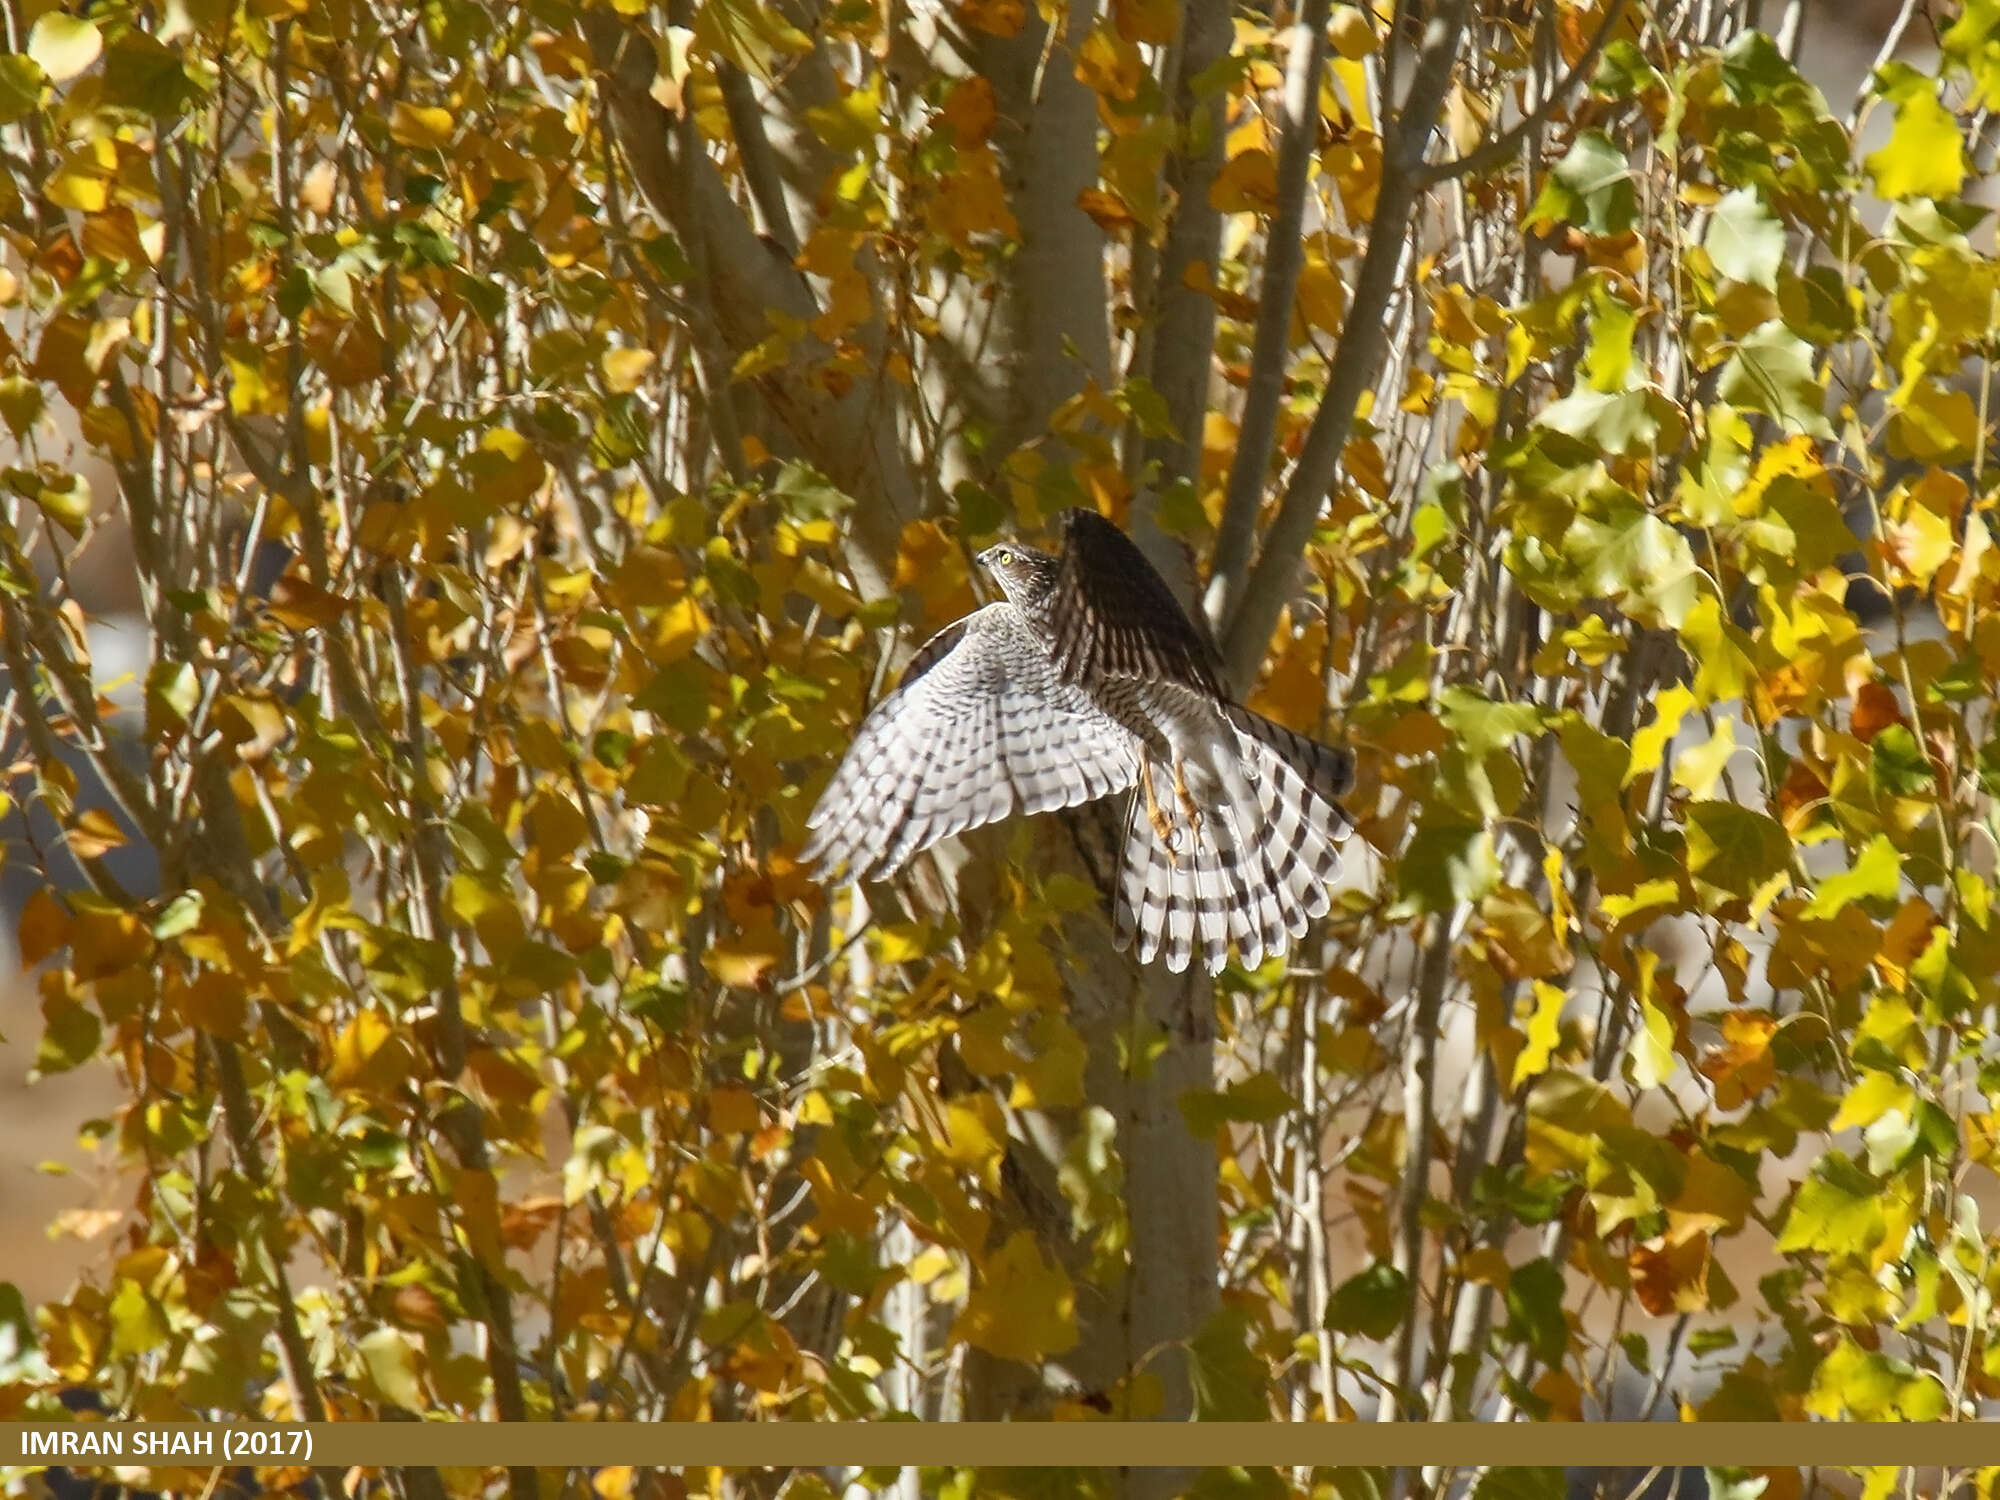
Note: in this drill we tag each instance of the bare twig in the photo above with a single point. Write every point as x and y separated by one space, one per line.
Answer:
1284 256
1498 149
1358 356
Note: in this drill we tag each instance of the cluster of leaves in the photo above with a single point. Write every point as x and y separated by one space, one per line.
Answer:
530 426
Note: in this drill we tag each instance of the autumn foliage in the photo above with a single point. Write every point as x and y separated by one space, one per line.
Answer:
538 433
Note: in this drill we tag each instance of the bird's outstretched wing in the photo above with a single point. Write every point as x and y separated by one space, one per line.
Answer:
1112 615
981 726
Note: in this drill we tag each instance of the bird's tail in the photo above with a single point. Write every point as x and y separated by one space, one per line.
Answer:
1258 872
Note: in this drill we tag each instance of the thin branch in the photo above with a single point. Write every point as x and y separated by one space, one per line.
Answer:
1891 44
761 168
1183 349
239 1118
1284 257
1491 153
1358 357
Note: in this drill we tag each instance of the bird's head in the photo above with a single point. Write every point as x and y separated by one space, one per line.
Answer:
1025 576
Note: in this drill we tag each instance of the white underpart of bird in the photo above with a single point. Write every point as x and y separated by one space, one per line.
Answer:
1091 681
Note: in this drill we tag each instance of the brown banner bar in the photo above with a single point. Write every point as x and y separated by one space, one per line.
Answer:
1003 1444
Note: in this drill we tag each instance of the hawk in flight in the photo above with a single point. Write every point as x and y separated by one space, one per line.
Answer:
1090 681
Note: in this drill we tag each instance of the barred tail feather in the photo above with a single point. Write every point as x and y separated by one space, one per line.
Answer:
1328 770
1258 873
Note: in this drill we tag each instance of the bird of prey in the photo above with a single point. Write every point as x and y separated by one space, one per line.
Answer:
1091 681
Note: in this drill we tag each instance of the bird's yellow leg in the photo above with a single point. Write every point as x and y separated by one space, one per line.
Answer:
1162 821
1186 799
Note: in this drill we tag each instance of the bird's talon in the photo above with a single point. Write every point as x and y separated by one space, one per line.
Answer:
1187 802
1163 824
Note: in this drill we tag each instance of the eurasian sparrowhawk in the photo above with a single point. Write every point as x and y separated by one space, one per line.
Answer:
1091 681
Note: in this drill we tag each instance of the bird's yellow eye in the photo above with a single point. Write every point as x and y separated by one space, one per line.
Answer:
1005 558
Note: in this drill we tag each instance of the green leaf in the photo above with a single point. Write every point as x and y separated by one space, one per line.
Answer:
1481 725
70 1035
1838 1209
1372 1304
1733 848
1535 1310
1638 560
138 1322
1746 241
750 35
1772 372
1736 1484
21 1358
172 691
1877 875
1592 185
21 81
1898 764
1873 1387
1228 1376
808 495
182 915
390 1365
21 400
1256 1100
1619 422
1446 863
141 73
1537 1483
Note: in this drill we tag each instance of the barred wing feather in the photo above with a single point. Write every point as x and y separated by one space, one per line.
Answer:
981 727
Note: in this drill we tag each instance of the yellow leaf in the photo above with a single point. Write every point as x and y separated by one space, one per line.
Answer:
1247 184
1544 1032
64 45
1646 896
679 626
932 564
421 125
368 1055
1698 767
1668 710
1321 296
1023 1309
1652 1049
995 17
389 1365
1920 544
741 963
1353 38
974 1132
94 834
1874 1096
104 940
1925 155
625 369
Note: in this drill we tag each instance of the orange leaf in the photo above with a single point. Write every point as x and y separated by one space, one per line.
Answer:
1106 210
969 111
45 926
1875 709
